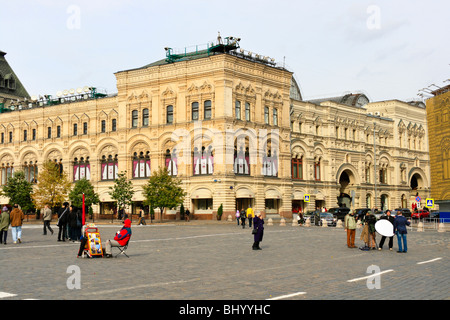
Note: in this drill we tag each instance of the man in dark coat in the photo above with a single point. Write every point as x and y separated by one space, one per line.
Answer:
63 214
258 224
383 238
400 224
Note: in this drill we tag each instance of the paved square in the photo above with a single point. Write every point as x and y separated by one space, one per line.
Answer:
214 260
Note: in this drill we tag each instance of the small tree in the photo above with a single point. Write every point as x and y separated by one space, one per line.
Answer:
52 187
122 191
19 191
163 191
220 212
90 197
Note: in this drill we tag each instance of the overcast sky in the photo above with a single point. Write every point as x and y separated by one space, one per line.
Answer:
385 49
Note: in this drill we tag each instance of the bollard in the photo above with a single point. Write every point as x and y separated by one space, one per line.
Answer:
308 223
282 222
441 227
294 222
324 223
270 222
339 224
229 219
420 227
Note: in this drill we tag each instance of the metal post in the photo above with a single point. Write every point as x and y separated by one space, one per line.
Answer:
375 164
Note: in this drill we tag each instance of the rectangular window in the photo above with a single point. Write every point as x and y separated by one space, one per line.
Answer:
114 125
194 111
266 115
34 134
10 137
103 126
134 119
49 132
237 110
25 132
169 115
75 129
207 110
297 168
58 131
85 128
145 117
2 138
247 111
275 117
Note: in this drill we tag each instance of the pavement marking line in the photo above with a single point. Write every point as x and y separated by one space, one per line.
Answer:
428 261
287 296
145 286
371 276
6 295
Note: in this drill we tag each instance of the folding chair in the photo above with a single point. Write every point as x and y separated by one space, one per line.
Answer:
122 249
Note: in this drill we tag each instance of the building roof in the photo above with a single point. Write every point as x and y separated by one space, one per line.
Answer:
355 100
10 85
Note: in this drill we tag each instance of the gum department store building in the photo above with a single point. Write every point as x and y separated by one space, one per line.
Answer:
232 126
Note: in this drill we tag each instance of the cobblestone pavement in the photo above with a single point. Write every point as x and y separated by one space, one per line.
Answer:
214 260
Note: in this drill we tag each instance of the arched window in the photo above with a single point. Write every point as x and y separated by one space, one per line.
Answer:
297 168
270 163
241 158
171 162
7 171
317 170
109 167
141 165
81 169
30 170
169 115
203 161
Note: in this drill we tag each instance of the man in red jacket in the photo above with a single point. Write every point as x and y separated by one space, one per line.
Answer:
121 238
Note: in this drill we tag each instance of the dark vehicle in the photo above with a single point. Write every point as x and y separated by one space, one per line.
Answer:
360 213
339 213
434 214
405 212
318 216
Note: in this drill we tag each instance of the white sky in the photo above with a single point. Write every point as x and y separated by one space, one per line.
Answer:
386 49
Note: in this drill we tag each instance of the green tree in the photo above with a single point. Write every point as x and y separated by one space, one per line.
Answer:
163 191
52 187
122 191
19 191
76 195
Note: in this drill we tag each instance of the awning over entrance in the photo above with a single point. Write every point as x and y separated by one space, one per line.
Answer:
273 194
201 193
298 195
244 193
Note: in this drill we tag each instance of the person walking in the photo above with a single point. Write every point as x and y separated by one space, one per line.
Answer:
4 224
250 216
243 216
258 225
186 215
391 219
238 216
47 213
16 217
350 227
141 218
63 214
400 224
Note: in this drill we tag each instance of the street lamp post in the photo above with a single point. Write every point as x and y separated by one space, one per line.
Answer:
375 164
